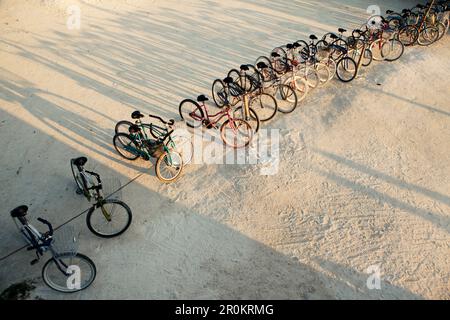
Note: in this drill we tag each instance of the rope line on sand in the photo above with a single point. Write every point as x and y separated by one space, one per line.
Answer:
75 217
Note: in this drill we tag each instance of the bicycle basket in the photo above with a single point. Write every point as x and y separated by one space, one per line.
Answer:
65 240
112 188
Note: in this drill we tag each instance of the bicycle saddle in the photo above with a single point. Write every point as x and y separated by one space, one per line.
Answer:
275 55
134 129
289 46
244 67
228 80
333 36
313 37
296 45
81 161
389 11
202 98
262 65
137 115
342 30
19 212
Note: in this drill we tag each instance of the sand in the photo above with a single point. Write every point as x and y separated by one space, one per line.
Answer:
364 168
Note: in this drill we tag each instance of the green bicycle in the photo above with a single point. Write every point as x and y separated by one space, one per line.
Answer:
137 144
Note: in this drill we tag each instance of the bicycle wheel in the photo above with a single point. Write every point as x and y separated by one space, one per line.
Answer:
191 113
286 99
331 64
126 146
367 58
123 127
377 49
428 36
236 133
61 280
408 35
253 120
184 146
79 179
323 73
280 64
346 69
265 106
267 74
303 51
310 75
393 50
169 166
219 93
112 218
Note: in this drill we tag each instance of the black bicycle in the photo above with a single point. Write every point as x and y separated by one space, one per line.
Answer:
114 216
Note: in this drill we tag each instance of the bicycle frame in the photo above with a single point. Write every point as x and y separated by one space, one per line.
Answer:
213 119
37 240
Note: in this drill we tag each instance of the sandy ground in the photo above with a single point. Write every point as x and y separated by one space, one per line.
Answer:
364 171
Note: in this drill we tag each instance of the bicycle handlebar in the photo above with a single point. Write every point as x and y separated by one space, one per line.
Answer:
171 122
48 224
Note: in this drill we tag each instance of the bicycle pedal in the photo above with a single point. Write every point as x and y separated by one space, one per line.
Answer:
34 262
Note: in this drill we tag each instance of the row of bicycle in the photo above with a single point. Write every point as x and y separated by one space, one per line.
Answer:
254 93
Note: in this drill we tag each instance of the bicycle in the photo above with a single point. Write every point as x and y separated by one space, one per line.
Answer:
178 142
114 216
67 270
196 114
136 144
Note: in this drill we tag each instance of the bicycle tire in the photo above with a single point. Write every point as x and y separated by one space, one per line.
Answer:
268 75
287 94
186 115
52 262
368 58
224 135
255 123
269 110
123 124
82 185
377 50
428 36
119 203
219 88
118 139
408 35
301 90
393 54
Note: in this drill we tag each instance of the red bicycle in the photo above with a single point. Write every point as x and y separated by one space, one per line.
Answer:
234 132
